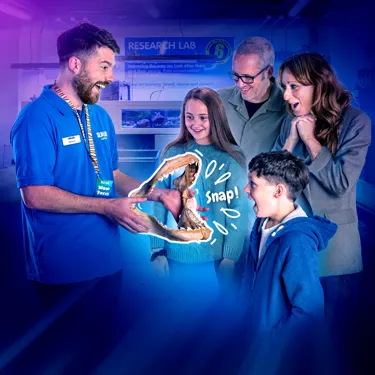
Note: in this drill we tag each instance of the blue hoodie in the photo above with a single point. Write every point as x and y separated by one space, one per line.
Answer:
282 289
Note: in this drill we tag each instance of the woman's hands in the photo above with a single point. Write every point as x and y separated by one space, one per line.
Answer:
303 128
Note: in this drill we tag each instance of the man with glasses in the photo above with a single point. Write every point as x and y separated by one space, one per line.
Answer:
255 105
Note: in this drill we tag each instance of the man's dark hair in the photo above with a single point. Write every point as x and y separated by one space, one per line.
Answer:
282 167
82 41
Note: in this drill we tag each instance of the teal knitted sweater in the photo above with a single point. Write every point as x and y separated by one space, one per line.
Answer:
215 197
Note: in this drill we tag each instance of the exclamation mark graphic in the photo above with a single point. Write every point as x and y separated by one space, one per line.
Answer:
236 191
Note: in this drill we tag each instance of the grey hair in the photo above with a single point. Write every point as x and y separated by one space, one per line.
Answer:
256 45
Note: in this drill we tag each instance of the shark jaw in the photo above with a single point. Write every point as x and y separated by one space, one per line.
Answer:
190 227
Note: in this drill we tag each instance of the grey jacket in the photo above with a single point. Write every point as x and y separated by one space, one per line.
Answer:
331 192
259 133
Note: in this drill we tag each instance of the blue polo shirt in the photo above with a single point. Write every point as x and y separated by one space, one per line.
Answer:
49 149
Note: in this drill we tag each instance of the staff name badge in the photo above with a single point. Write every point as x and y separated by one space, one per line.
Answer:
103 187
67 141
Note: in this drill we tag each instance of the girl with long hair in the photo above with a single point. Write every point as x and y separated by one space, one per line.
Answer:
205 131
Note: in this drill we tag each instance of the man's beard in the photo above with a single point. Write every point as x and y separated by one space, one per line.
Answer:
85 88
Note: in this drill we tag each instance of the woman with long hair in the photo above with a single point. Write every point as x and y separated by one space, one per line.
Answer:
205 131
333 137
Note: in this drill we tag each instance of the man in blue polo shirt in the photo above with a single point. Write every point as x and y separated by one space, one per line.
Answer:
67 169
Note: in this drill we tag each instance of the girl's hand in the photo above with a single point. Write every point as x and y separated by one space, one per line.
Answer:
161 266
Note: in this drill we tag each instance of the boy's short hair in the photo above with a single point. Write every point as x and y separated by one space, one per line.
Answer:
82 40
282 167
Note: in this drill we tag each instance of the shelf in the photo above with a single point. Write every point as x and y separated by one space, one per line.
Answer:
203 58
127 155
142 131
31 66
196 58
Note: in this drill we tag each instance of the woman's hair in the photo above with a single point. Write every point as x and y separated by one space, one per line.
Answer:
330 98
220 133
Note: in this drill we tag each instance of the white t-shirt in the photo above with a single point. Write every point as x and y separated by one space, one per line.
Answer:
298 212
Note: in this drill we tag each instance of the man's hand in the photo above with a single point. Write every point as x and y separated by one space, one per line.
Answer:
160 266
172 201
118 210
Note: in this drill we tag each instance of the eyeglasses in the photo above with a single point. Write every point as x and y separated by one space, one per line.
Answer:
245 78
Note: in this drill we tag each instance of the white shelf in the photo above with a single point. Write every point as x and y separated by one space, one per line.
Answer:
174 131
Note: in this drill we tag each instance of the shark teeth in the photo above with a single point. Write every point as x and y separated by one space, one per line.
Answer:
163 177
192 225
180 228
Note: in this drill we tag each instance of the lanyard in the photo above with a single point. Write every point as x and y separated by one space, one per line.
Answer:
91 151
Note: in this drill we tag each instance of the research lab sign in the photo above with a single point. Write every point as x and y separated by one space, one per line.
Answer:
220 49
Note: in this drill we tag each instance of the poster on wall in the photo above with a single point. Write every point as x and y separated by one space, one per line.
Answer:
176 64
218 49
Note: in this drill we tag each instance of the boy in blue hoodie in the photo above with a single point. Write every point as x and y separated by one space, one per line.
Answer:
281 287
